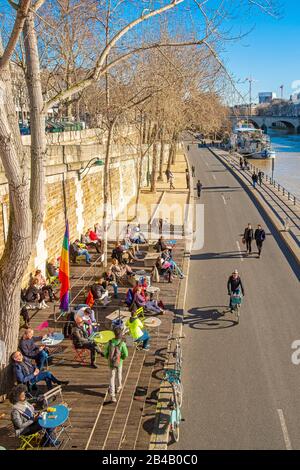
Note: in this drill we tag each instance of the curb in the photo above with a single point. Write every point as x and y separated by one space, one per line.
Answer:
160 436
285 236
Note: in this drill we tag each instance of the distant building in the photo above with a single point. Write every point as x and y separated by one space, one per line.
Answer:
266 97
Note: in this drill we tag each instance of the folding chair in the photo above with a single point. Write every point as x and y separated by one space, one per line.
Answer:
81 355
31 441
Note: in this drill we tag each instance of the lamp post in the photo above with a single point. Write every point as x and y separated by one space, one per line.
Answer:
93 162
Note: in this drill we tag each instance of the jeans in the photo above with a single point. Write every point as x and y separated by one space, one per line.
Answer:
248 244
151 305
145 338
254 184
176 268
86 254
115 371
115 288
47 376
41 359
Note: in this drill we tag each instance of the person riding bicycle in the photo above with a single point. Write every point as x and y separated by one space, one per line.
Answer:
234 286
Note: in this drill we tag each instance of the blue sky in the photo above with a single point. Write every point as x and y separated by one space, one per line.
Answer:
270 53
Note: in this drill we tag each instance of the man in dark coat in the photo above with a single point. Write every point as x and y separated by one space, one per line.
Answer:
260 237
248 237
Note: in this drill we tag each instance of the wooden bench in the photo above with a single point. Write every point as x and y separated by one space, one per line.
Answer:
150 259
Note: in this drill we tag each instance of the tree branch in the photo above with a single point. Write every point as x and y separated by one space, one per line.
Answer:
22 13
99 69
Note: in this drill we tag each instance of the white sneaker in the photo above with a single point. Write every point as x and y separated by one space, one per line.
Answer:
44 304
113 399
119 389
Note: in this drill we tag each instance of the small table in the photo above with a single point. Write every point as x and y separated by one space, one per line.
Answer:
152 322
102 337
55 419
122 314
53 340
153 290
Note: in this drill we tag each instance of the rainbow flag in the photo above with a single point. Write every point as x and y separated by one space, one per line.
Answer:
64 272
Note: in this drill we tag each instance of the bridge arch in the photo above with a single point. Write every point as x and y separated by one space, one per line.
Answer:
286 124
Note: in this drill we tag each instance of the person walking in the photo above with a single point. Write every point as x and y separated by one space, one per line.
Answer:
115 352
260 236
246 163
254 179
248 237
167 173
260 177
241 163
193 171
199 188
187 177
188 147
171 179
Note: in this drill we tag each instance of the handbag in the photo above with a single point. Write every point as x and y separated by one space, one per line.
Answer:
243 241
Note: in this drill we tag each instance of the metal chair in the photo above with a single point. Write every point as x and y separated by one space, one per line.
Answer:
31 441
80 355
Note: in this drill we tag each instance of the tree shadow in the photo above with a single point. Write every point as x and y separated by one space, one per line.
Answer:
221 255
210 318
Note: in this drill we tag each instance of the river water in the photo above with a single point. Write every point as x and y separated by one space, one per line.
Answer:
287 161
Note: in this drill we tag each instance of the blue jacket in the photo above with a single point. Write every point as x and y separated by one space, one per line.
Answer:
24 371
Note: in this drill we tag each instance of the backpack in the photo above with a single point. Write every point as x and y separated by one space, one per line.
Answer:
114 356
129 297
67 330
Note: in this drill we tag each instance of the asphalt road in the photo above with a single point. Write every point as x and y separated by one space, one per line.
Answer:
241 389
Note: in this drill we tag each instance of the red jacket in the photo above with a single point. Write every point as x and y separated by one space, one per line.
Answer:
93 236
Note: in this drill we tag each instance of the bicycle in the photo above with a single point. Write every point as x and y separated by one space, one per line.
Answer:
235 304
174 378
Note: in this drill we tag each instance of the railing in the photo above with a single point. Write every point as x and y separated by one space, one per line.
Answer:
275 184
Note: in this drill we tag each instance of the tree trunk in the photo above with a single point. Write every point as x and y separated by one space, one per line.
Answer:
174 145
154 168
161 155
106 189
37 126
19 241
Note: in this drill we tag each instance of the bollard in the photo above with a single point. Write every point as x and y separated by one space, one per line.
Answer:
288 196
283 192
278 187
294 200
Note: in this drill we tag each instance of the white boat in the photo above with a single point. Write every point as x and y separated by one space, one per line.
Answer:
252 143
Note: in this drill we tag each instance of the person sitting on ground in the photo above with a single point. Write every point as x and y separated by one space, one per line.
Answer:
136 235
31 350
99 292
98 231
86 240
43 284
175 268
121 254
51 268
94 237
34 293
128 245
23 415
161 245
88 317
26 373
81 341
25 315
111 280
120 270
136 326
115 351
143 301
164 268
79 249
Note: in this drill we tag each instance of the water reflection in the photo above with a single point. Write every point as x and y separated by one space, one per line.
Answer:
287 161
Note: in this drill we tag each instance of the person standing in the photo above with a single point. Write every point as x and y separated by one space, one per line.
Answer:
248 237
241 163
167 173
260 176
260 236
188 147
254 179
246 163
199 188
193 171
171 179
115 352
187 177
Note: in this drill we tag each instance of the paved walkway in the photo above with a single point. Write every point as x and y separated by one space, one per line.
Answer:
240 385
96 422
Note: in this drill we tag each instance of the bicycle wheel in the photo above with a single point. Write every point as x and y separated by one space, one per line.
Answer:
175 422
178 393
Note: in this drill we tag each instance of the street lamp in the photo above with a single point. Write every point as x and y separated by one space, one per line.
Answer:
93 162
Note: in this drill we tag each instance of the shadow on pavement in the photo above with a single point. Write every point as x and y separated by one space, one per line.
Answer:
224 254
210 318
